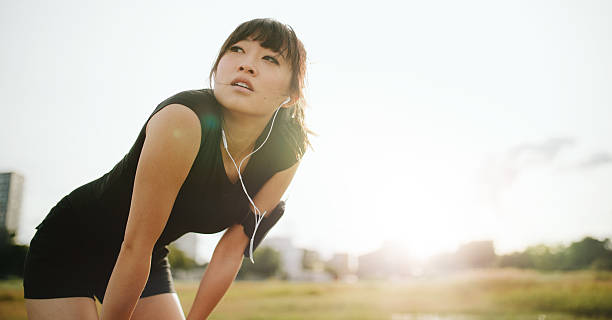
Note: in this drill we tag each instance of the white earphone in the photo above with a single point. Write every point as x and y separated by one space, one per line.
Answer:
258 215
284 102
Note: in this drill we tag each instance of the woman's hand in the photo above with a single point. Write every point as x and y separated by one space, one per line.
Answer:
220 272
172 142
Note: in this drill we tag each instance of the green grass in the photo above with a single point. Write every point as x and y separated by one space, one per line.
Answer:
475 295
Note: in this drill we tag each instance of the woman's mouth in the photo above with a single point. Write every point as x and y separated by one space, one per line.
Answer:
242 83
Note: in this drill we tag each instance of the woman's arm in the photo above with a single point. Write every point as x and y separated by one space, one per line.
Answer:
228 255
219 274
172 142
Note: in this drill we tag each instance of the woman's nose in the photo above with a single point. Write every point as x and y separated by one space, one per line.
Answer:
248 68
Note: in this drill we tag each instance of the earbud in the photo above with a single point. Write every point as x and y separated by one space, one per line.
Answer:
284 102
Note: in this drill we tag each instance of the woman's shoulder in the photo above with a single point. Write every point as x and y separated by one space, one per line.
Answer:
283 151
201 101
194 98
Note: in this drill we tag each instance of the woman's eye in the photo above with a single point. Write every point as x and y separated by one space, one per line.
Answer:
235 48
239 49
271 59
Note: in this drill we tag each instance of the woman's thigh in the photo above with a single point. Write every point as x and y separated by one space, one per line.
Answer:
62 308
160 306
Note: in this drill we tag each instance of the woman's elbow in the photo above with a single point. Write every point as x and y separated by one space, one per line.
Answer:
136 248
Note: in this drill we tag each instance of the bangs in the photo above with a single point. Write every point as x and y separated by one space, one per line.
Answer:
271 35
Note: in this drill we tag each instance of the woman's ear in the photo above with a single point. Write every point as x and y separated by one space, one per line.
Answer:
292 101
286 103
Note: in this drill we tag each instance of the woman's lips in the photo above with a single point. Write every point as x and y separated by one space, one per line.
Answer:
242 89
244 82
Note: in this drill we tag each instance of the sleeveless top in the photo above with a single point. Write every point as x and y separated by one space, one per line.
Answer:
207 202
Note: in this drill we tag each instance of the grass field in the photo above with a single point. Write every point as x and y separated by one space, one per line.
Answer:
476 295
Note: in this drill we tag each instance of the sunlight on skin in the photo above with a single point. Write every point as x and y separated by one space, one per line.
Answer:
177 133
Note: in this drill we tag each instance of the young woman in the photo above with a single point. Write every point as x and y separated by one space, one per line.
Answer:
191 169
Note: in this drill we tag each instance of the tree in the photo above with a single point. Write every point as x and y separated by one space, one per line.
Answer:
515 259
543 257
12 256
179 260
582 254
267 264
602 263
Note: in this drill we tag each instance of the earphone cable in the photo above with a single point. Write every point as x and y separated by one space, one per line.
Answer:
258 215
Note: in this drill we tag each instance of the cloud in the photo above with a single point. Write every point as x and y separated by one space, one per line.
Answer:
595 160
533 154
506 169
499 172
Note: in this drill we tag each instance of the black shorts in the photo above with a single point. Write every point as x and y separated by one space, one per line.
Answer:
59 265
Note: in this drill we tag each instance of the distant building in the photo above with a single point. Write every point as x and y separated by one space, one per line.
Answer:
291 257
339 262
311 260
388 262
344 266
11 190
292 260
474 254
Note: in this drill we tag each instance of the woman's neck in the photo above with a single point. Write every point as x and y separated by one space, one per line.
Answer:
241 132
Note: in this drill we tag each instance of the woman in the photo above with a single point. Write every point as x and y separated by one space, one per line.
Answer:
107 239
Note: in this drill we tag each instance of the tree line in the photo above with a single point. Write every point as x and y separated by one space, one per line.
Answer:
588 253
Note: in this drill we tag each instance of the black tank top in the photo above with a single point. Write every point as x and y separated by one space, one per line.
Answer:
207 202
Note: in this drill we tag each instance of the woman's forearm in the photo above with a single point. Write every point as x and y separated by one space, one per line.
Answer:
126 283
217 279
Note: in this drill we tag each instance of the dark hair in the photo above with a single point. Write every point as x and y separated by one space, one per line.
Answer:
281 39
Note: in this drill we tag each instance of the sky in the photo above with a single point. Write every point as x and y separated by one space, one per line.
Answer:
438 122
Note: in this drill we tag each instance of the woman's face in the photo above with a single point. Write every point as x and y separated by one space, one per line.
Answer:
251 79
